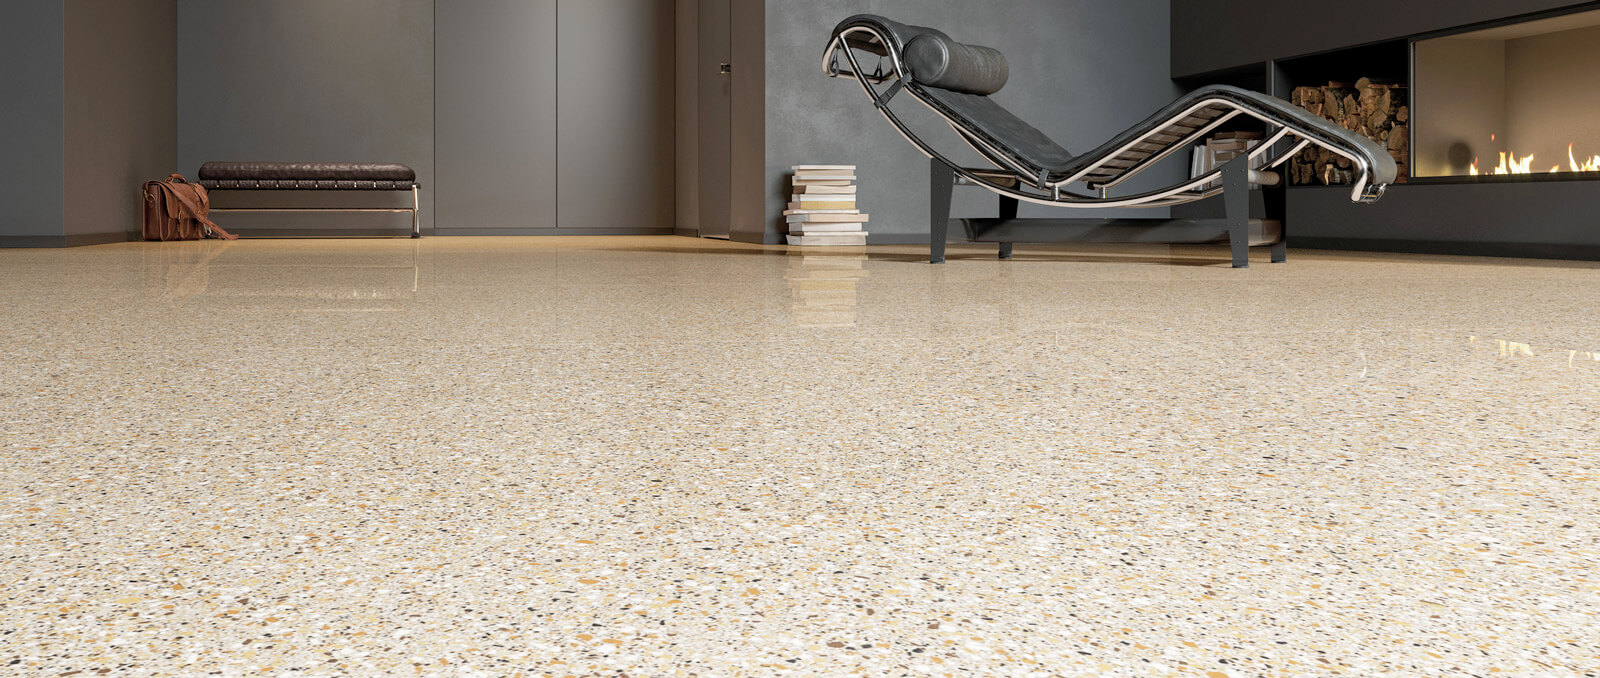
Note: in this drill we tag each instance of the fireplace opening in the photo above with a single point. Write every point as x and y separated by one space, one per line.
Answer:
1510 101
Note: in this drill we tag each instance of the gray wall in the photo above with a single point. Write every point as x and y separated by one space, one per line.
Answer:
121 112
117 92
32 165
308 80
1081 71
1212 35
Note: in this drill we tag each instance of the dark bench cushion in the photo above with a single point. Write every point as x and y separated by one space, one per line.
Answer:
307 176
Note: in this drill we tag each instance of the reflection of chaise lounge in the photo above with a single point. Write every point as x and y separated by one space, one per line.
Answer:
954 80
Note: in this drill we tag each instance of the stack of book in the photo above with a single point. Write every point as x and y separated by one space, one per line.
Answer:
822 210
823 285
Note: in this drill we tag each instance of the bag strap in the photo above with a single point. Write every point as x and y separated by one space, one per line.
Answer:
194 211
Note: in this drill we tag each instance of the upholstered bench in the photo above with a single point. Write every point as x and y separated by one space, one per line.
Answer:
313 176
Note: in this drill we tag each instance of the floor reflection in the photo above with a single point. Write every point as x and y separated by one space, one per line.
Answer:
1518 349
234 270
822 286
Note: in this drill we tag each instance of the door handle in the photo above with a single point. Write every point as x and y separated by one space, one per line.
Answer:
724 69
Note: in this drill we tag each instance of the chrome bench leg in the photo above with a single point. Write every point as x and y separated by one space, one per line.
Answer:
416 220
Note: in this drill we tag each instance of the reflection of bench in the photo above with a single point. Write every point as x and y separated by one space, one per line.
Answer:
313 176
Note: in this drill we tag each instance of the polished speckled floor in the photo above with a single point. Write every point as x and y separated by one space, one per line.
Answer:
665 456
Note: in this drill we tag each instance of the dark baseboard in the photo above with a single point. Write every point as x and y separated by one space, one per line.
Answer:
33 241
83 239
551 231
1513 250
319 233
79 240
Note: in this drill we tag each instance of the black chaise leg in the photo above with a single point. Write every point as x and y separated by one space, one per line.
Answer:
941 184
1236 204
1276 198
1008 210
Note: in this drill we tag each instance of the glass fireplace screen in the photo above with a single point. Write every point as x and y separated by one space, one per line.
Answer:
1517 99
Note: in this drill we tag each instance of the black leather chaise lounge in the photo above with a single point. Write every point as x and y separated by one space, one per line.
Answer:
955 81
313 176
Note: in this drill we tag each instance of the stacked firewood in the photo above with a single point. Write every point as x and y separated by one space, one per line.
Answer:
1373 109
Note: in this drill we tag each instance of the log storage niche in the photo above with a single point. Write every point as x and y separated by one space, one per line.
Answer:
1375 109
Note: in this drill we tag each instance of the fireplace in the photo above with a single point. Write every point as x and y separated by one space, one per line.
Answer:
1465 81
1514 101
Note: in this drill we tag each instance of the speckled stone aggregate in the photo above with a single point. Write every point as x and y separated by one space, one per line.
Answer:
675 457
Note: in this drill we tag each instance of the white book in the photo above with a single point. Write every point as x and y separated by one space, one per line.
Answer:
794 208
824 177
830 239
814 229
828 218
851 168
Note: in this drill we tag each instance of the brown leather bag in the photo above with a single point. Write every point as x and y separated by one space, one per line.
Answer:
178 210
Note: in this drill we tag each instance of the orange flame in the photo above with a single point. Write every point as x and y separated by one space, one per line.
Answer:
1590 165
1511 164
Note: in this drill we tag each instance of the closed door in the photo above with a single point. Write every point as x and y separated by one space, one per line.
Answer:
716 118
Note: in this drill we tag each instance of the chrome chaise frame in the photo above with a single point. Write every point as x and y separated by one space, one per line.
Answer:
1363 191
1014 181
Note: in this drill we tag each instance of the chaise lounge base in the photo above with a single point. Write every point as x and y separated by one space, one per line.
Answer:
314 176
1236 228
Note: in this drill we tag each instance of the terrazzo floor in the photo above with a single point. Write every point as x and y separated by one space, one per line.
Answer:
673 457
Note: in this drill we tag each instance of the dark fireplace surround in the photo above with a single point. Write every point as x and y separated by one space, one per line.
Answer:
1494 92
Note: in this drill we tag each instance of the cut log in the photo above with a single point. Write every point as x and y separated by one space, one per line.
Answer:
1400 139
1381 114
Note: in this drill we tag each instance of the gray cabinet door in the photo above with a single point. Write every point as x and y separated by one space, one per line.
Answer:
716 118
495 114
616 102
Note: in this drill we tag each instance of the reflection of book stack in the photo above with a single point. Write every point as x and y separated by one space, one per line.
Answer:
823 210
1219 149
823 287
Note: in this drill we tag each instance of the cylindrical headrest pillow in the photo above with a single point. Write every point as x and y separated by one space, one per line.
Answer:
938 61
